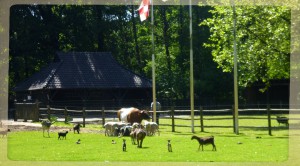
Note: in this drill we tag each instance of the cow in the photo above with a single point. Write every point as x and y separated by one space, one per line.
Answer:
132 115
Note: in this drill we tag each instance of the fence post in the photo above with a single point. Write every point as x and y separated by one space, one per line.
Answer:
201 119
269 120
83 116
173 120
48 111
103 116
66 115
233 118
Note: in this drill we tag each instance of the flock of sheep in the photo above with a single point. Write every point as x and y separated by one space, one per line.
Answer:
136 131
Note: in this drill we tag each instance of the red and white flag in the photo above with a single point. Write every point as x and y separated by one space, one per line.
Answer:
144 9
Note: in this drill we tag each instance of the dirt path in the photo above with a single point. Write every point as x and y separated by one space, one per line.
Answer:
16 126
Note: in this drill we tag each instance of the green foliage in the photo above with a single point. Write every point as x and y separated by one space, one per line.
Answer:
263 41
37 32
53 118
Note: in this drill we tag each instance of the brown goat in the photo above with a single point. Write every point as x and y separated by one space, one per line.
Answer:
77 128
138 134
205 141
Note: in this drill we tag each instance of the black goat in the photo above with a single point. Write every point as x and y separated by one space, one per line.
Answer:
205 141
283 120
77 128
62 134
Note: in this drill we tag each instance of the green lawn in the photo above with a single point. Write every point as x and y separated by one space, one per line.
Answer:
250 145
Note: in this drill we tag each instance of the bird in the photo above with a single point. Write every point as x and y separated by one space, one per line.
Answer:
113 142
78 142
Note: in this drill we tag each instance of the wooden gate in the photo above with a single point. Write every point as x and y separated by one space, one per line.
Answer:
27 111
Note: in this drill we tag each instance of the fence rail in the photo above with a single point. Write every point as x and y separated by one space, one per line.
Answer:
103 115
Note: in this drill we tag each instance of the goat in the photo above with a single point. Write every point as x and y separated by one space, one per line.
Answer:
46 124
205 141
124 145
135 126
283 120
133 136
140 135
169 146
62 134
77 128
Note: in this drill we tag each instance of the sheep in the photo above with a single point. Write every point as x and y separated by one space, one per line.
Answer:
151 128
169 146
125 131
136 125
46 124
111 128
77 128
62 134
205 141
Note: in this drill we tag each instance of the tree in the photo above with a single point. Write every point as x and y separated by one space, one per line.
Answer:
263 42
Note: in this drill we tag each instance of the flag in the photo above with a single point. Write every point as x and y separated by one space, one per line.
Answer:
144 9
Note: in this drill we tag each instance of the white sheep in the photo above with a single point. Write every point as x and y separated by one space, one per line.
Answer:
112 127
151 128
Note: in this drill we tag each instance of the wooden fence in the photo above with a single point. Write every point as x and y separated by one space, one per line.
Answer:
104 115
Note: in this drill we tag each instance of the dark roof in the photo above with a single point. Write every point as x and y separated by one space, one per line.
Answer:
88 70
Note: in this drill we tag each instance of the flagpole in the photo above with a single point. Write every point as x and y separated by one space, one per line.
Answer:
153 65
236 102
191 67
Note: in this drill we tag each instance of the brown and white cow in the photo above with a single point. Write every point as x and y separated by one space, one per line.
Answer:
132 115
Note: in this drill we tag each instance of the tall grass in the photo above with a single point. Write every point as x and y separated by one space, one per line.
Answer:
250 145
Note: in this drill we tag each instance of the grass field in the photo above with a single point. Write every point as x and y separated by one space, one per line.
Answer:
252 144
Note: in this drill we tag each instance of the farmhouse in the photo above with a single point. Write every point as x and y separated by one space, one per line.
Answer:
86 78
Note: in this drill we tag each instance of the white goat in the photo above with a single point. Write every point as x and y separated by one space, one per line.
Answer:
46 126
